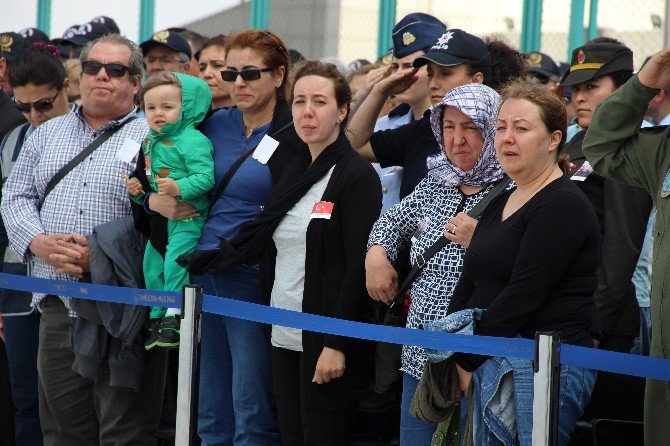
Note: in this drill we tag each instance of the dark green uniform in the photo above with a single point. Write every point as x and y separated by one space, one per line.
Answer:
618 148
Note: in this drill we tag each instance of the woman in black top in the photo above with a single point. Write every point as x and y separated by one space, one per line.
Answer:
533 259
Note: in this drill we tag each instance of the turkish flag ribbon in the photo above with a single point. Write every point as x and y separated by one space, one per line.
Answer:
322 209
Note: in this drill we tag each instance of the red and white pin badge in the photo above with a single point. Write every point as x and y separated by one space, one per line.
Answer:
322 209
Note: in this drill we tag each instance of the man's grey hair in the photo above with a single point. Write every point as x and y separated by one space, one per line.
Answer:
136 64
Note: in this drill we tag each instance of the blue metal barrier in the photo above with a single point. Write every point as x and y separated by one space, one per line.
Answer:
634 365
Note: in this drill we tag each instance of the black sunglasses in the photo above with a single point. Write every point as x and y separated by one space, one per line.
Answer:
112 69
42 106
250 74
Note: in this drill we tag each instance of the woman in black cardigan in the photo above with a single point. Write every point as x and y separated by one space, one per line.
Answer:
311 240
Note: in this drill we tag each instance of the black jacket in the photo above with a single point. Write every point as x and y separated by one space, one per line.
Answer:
108 334
623 213
335 269
10 117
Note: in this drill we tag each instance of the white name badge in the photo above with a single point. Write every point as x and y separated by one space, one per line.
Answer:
128 151
265 149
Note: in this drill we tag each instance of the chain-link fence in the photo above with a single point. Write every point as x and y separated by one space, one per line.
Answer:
348 29
555 25
638 24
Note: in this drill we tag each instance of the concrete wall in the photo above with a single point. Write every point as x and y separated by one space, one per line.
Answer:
234 19
307 26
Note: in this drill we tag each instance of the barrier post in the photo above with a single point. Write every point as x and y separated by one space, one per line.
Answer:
546 386
189 366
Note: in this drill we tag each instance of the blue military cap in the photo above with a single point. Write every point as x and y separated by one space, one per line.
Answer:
82 34
33 35
415 32
455 47
169 39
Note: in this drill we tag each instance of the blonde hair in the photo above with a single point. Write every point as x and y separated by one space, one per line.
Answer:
552 111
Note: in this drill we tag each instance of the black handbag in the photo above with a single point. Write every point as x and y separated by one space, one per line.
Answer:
387 355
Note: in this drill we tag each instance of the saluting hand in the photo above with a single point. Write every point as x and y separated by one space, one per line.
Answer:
656 72
376 75
397 82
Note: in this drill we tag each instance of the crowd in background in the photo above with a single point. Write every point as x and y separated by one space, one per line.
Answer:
471 188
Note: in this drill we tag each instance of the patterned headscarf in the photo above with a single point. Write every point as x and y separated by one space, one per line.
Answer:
480 103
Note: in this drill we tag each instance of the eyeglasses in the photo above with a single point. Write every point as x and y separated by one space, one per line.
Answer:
161 59
42 106
92 68
250 74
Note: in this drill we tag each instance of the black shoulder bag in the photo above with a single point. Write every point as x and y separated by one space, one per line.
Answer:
387 356
97 142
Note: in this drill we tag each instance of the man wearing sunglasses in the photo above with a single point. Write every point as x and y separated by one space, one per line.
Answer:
102 403
167 51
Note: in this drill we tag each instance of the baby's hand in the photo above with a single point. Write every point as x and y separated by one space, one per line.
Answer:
134 187
167 186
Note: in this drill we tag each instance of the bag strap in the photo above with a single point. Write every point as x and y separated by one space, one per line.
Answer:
20 140
233 169
97 142
478 209
476 212
229 175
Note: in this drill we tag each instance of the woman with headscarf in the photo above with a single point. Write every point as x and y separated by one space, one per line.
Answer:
458 178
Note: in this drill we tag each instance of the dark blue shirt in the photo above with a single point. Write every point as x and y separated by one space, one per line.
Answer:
245 194
407 146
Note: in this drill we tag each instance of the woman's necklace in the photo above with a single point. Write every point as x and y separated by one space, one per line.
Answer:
250 130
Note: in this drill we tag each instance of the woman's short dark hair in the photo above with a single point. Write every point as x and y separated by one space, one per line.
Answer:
269 45
552 110
506 64
217 41
38 66
328 71
620 77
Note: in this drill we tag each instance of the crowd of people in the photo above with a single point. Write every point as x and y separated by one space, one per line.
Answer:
471 188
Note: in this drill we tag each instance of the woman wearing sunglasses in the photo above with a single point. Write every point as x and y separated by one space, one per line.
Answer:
236 395
38 78
310 239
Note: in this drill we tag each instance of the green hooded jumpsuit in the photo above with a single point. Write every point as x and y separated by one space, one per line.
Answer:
184 154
